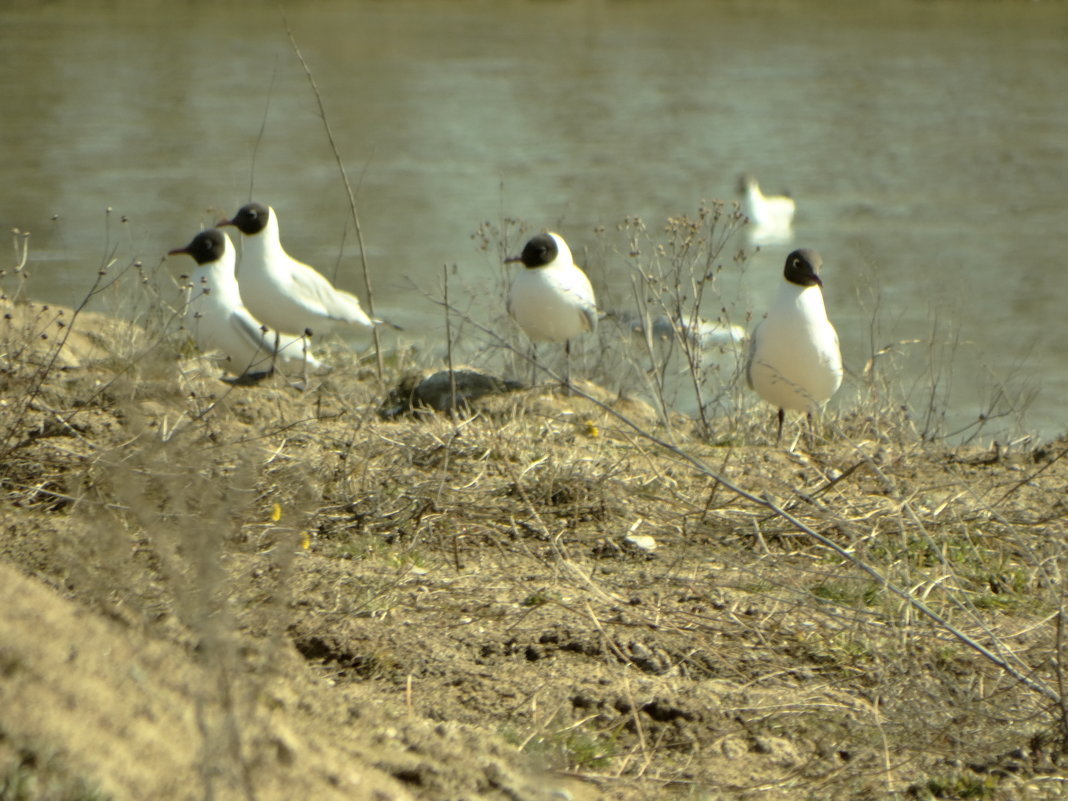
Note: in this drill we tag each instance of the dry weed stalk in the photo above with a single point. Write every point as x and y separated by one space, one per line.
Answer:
351 198
675 282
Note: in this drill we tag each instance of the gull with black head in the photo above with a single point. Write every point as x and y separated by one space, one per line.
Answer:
217 318
794 359
286 294
551 299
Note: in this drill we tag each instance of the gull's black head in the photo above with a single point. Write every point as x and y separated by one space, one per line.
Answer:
803 268
207 246
745 180
250 219
538 252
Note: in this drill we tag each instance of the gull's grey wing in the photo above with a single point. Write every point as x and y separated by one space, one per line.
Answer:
312 290
589 315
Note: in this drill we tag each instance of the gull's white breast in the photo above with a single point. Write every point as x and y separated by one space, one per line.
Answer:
794 358
554 303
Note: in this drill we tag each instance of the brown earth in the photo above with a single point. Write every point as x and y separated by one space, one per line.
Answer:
217 591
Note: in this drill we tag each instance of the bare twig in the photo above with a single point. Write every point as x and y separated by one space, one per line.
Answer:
260 134
448 336
351 195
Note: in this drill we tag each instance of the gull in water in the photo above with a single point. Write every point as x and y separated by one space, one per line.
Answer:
700 333
771 218
794 359
551 299
218 320
287 294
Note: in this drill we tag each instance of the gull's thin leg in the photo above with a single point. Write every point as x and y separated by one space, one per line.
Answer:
304 346
567 366
274 353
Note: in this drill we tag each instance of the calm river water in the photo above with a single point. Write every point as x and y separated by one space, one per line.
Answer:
925 144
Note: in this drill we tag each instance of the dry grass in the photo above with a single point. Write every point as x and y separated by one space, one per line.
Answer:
475 569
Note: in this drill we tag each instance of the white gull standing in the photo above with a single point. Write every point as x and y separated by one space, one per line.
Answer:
287 294
551 299
794 359
218 320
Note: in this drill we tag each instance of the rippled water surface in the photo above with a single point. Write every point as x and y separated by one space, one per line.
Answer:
924 143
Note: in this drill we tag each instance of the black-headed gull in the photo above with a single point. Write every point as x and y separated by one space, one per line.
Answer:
217 318
288 295
794 359
700 333
551 299
771 217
